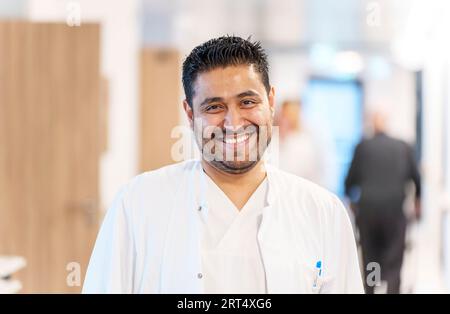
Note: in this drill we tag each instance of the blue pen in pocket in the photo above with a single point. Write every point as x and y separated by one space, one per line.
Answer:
318 273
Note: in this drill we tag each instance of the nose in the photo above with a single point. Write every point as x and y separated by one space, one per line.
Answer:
233 119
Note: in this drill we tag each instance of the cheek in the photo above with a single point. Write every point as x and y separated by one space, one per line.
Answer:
209 120
260 116
212 120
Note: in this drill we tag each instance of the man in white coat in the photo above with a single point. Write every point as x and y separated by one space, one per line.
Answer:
228 223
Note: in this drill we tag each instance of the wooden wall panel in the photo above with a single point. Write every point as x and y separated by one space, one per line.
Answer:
49 148
160 103
104 114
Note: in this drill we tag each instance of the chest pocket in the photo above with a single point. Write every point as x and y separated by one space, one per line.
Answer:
287 272
290 260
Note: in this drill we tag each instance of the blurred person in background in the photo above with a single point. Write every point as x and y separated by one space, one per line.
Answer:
302 151
376 182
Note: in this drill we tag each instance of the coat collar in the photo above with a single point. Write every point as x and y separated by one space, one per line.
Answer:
181 261
200 183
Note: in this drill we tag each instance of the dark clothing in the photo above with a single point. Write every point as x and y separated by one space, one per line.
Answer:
380 169
382 240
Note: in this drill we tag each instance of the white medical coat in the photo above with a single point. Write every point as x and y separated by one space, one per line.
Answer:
149 241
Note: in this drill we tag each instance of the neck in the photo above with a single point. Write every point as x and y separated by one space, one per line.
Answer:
237 187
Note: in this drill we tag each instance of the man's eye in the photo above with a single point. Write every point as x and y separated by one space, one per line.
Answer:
212 108
248 102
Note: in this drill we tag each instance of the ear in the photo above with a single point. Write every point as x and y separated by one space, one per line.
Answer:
189 112
271 97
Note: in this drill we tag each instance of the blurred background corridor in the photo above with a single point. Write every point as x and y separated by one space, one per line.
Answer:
91 95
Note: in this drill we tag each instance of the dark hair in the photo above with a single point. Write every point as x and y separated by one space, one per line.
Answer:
222 52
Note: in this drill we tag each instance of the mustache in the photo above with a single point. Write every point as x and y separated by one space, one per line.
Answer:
221 133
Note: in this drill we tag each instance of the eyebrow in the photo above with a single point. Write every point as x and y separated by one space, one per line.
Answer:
247 93
210 100
220 99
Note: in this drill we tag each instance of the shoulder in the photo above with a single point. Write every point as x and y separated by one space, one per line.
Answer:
145 203
312 206
155 180
306 195
167 172
159 186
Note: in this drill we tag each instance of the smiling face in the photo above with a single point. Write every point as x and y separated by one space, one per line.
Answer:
232 113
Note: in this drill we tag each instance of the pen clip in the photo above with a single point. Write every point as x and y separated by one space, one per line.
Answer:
318 273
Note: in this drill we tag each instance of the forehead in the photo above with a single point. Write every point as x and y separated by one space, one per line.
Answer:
227 82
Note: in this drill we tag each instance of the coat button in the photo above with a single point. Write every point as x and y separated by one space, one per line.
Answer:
199 275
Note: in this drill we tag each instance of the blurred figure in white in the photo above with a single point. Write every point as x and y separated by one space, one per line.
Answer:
302 151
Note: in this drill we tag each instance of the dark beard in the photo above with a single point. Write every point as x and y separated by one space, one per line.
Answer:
232 166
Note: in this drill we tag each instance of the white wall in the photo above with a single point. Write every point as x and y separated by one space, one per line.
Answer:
430 267
447 183
394 95
288 74
422 42
13 8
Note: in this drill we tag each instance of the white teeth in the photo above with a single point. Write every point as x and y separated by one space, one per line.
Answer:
237 140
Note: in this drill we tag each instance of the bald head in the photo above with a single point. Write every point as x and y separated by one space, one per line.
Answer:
378 120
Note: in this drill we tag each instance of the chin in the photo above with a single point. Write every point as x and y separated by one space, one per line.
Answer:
234 167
